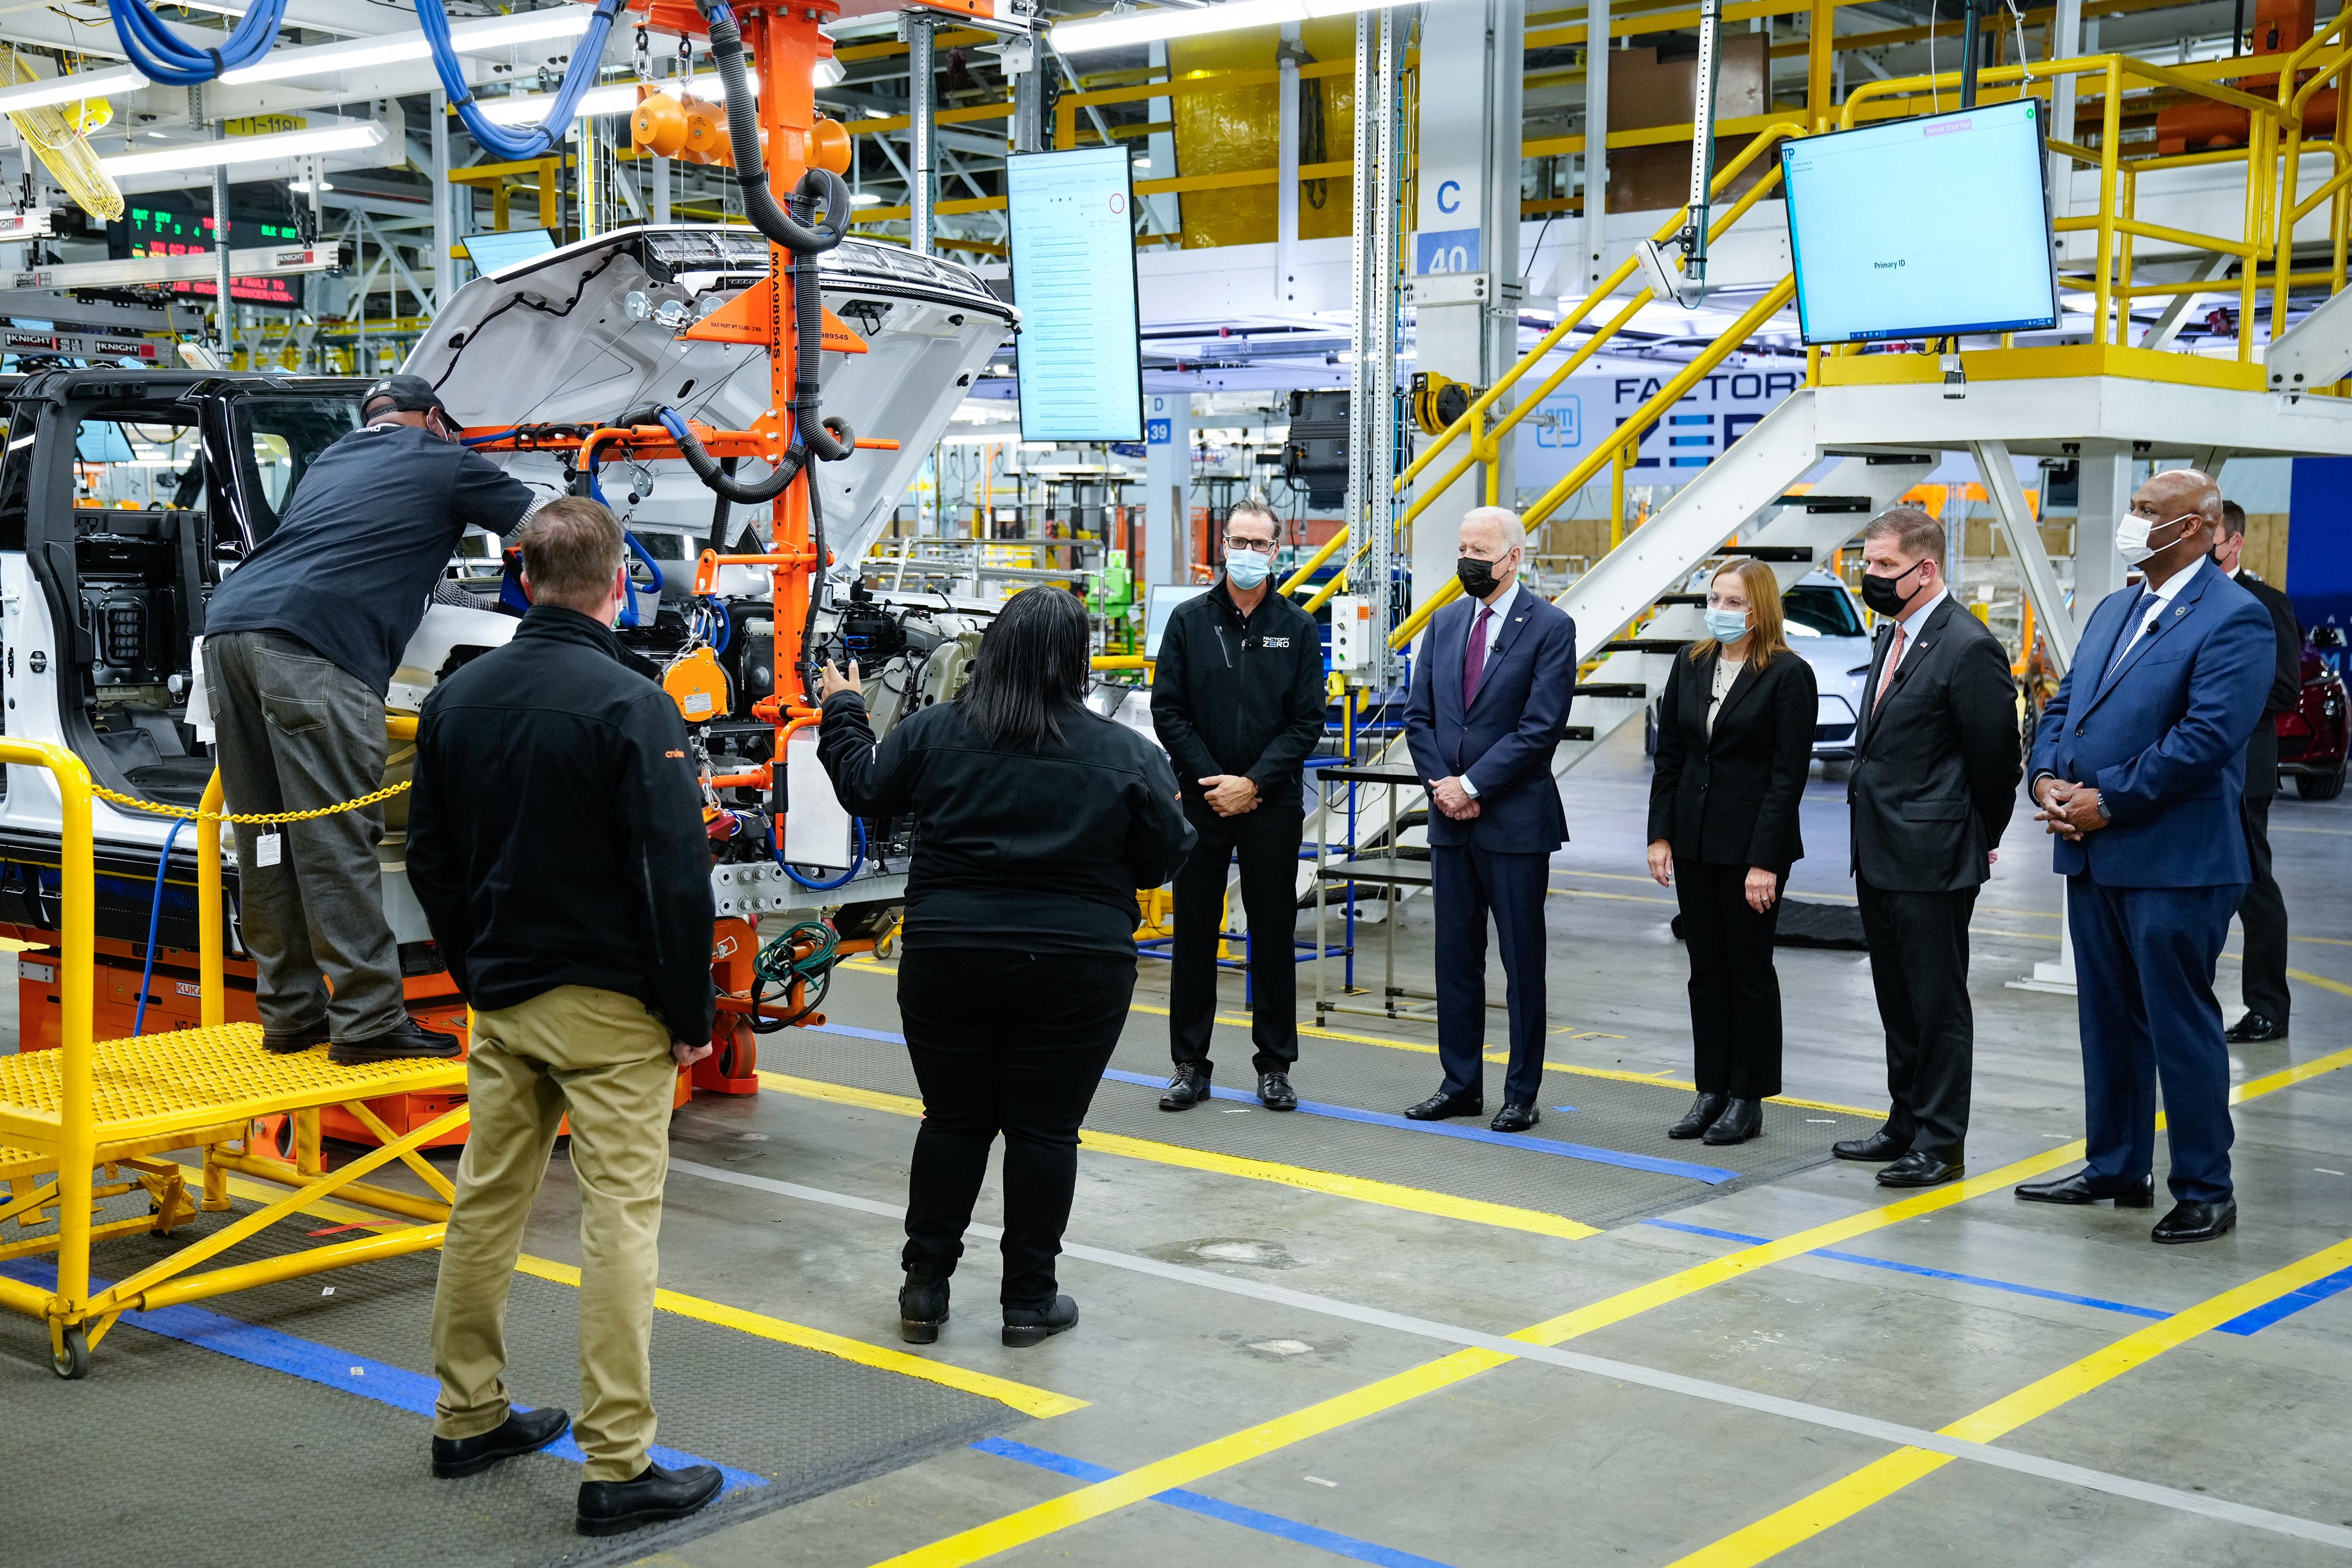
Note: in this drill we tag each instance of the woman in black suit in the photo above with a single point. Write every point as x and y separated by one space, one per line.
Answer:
1735 740
1036 820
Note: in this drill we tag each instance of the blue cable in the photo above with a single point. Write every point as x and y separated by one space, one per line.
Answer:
486 440
161 56
155 922
587 56
856 860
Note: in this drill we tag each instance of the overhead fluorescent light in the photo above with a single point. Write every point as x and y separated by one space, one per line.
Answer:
359 54
1119 29
863 199
67 89
247 150
619 99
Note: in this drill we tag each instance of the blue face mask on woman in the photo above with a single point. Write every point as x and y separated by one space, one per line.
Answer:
1247 569
1727 625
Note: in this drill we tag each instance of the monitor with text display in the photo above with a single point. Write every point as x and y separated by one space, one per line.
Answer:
1072 220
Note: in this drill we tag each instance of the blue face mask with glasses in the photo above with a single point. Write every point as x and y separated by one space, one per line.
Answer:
1726 626
1247 569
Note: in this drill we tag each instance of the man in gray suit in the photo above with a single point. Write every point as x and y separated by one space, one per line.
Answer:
1935 764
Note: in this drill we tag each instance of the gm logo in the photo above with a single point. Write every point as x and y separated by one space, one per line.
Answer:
1560 422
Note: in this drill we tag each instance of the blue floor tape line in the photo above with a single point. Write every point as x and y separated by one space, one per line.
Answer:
332 1368
1926 1273
1712 1175
2286 1306
1211 1507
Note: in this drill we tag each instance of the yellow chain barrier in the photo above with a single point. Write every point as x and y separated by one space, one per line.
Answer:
193 814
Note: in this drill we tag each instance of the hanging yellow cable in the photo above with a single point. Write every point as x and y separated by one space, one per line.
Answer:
58 135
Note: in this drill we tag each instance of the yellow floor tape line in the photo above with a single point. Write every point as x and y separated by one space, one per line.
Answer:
1038 1402
1387 1195
1105 1497
1874 1482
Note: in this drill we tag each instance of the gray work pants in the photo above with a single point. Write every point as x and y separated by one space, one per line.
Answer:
296 732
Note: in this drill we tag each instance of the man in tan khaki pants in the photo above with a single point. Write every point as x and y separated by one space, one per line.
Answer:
556 844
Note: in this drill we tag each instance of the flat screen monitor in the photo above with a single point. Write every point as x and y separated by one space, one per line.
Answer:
1073 222
1161 599
1923 228
496 252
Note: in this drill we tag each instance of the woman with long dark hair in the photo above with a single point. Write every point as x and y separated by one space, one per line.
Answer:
1038 819
1735 742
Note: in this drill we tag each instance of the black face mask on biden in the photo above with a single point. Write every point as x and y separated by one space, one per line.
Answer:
1478 579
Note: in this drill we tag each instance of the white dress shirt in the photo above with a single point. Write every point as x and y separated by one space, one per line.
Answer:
1502 611
1911 622
2149 610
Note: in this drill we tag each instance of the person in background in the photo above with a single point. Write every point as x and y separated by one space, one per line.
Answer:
1735 744
1041 819
2139 769
1237 698
1490 697
299 645
2262 911
579 929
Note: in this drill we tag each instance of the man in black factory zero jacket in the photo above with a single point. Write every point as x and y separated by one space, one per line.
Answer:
557 846
1237 697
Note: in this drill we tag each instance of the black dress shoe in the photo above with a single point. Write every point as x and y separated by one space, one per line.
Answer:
1275 1092
615 1508
2196 1222
1919 1168
523 1432
1188 1088
1030 1325
2256 1029
1881 1147
2085 1187
293 1040
922 1308
1439 1106
407 1040
1516 1118
1699 1117
1741 1120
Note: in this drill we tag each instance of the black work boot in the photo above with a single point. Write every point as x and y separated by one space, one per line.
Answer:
1032 1325
656 1496
1188 1088
408 1040
289 1041
922 1308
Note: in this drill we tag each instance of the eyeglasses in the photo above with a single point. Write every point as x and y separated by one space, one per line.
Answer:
1256 547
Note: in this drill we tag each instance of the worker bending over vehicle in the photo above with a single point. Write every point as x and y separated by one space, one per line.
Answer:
556 844
299 645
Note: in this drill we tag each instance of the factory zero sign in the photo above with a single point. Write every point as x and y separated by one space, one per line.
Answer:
1716 413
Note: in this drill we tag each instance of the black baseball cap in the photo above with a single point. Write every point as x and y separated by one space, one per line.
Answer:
404 394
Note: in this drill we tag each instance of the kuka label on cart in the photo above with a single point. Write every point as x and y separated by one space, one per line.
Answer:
267 849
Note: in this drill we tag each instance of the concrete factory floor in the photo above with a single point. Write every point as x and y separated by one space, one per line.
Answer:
1282 1368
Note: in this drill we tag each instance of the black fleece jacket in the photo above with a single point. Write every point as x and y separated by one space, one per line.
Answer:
555 829
1236 693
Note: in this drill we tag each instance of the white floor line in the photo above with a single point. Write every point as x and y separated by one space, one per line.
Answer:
1888 1432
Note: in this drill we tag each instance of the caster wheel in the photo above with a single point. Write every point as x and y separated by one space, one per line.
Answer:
72 1361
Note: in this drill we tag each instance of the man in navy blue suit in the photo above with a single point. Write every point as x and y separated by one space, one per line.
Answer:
2138 768
1490 697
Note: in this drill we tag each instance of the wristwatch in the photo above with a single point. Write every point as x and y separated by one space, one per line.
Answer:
2105 815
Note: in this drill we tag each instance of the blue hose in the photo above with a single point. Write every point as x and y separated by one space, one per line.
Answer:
857 861
587 55
161 56
154 923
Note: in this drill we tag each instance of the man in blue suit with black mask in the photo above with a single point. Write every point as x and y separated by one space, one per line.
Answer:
2137 767
1491 691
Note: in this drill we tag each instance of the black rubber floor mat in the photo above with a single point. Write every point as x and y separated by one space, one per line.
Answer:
201 1458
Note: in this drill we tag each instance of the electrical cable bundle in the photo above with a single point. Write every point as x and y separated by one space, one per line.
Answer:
587 60
159 54
776 965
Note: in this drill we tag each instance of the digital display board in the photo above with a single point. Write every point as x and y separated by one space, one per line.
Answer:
1923 228
173 223
501 248
1073 223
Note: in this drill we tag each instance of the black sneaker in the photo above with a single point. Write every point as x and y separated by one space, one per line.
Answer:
410 1040
523 1432
656 1497
1188 1088
288 1042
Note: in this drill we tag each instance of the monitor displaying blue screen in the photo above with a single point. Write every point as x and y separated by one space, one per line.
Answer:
1922 229
497 251
1073 240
